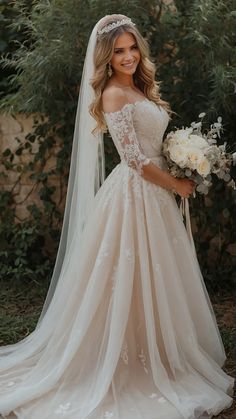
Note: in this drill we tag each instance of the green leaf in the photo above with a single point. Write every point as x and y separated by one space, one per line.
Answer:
19 151
6 152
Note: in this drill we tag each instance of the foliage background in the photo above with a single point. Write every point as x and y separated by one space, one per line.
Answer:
44 44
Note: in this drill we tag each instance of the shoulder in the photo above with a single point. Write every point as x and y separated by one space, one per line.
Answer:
113 99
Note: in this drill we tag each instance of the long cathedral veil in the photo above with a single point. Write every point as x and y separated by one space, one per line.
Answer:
87 169
87 173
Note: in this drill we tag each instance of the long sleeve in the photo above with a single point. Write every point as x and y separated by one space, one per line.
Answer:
121 128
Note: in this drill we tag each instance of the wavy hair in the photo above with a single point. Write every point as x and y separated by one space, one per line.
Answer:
144 77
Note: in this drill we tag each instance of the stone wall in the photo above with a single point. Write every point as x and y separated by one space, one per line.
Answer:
26 190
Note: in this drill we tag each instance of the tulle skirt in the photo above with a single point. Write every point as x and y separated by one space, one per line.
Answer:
130 332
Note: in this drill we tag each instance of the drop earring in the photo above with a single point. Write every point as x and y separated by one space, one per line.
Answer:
109 71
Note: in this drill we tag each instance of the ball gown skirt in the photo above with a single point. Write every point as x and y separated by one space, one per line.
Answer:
130 332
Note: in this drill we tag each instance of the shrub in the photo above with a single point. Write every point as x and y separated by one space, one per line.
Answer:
194 50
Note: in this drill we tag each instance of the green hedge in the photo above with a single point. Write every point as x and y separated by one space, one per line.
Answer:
194 50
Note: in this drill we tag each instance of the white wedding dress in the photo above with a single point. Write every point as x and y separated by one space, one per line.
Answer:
130 332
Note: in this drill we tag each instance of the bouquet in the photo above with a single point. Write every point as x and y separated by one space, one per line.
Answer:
195 154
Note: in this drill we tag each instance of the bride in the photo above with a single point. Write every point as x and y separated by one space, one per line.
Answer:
127 330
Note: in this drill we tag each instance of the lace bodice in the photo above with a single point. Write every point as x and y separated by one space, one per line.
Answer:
137 130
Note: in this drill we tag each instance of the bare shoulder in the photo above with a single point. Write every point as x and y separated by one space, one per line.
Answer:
113 99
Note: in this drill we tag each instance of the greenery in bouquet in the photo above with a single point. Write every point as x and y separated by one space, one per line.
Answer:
194 153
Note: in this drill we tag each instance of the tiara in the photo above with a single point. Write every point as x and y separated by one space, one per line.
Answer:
108 28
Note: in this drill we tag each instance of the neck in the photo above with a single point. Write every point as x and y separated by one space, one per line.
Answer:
123 80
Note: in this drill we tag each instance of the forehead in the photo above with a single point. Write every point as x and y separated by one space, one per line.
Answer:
124 40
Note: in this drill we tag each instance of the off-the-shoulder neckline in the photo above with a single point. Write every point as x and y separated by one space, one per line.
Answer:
128 104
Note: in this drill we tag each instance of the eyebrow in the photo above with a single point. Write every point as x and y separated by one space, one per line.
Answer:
118 48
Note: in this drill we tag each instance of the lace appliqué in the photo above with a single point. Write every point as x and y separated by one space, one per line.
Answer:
113 277
162 400
120 125
157 267
143 360
103 253
129 254
133 156
62 410
108 415
152 396
178 240
127 181
126 191
109 187
124 353
162 194
132 186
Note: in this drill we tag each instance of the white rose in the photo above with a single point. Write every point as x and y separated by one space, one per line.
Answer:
178 155
195 157
182 135
197 141
204 168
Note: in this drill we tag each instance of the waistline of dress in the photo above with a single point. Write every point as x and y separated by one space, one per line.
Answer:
159 161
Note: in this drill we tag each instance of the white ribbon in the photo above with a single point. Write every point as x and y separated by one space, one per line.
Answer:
184 209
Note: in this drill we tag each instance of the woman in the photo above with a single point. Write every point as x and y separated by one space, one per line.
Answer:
127 330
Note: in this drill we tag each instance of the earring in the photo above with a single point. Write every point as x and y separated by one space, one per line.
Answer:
109 71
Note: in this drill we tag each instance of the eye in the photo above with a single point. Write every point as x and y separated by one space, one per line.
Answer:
135 47
118 51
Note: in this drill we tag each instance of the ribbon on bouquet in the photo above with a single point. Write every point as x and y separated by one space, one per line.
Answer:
184 209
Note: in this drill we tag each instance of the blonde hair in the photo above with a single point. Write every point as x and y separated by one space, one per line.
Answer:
144 77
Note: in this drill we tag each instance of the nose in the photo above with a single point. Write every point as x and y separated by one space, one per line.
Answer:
128 56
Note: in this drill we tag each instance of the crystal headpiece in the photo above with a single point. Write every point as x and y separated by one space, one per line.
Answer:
108 28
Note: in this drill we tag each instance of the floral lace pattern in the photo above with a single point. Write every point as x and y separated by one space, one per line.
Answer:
132 188
124 354
120 125
129 254
152 396
157 267
113 277
143 360
108 415
62 409
103 253
160 399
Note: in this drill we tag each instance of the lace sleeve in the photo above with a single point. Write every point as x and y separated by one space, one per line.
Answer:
121 128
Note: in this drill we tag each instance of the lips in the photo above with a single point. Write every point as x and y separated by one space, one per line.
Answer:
128 65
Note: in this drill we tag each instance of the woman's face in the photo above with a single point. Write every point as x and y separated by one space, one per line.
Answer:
126 54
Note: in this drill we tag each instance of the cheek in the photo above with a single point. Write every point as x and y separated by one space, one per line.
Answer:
116 59
137 55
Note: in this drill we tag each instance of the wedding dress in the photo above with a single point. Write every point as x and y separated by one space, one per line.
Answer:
130 332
